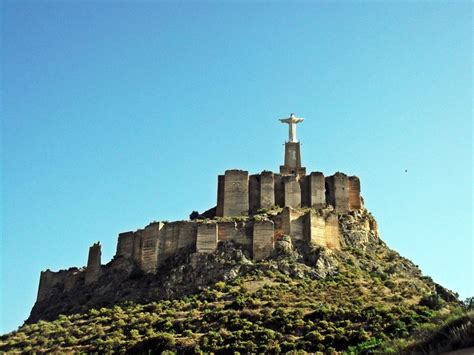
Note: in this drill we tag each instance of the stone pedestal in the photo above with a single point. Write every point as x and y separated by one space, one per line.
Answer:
292 160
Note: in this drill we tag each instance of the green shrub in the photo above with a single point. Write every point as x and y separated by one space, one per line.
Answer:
432 301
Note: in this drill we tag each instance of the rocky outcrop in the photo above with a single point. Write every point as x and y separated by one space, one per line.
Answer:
358 229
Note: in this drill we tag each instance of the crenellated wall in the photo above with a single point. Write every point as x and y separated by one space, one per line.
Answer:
240 194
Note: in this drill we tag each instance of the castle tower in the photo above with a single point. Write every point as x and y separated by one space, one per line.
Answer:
292 164
93 269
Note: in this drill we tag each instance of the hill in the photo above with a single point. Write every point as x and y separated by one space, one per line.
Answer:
360 299
284 262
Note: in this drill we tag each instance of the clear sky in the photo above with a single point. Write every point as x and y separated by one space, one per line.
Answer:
115 114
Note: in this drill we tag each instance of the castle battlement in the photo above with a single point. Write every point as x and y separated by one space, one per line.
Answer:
241 194
252 211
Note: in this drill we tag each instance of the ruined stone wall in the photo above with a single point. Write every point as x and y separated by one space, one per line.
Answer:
187 234
263 239
220 195
292 222
297 224
254 193
316 190
316 229
93 270
337 192
46 283
332 232
354 193
304 187
206 241
175 236
240 194
238 232
237 194
267 190
73 277
60 280
279 188
153 245
137 246
323 230
168 241
292 191
125 245
236 198
149 247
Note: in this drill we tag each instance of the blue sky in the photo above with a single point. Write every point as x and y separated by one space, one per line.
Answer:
115 114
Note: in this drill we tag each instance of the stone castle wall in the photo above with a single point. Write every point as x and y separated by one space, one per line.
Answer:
292 191
236 193
93 270
51 281
263 239
237 232
239 194
153 246
207 238
316 190
267 190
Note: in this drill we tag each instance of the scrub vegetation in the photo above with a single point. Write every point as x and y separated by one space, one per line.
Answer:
360 309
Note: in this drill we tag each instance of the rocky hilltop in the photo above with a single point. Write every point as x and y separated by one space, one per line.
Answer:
361 298
283 262
253 213
188 271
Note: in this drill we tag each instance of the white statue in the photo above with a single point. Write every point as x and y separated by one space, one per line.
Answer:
292 121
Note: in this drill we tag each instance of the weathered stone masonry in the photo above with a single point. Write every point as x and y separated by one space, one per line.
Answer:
306 207
238 194
236 189
263 239
93 270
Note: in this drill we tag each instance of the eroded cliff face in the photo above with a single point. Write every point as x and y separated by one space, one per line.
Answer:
187 271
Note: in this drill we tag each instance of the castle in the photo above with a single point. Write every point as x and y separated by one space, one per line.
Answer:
252 211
